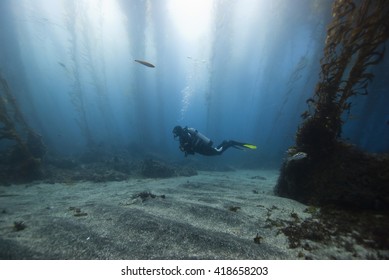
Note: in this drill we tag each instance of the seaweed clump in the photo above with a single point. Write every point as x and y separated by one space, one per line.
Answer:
146 195
24 150
333 172
340 228
156 169
355 42
358 234
19 225
151 168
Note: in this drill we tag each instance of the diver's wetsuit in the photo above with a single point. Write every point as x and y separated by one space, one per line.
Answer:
192 141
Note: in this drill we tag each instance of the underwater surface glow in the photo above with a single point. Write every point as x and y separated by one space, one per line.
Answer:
191 17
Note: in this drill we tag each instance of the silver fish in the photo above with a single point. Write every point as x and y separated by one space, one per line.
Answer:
145 63
298 156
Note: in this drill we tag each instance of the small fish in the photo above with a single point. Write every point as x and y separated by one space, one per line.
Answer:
63 65
145 63
298 156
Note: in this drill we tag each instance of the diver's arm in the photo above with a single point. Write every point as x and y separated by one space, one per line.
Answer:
186 146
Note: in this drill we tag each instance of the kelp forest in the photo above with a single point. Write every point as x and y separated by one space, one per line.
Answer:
21 161
288 157
111 109
334 171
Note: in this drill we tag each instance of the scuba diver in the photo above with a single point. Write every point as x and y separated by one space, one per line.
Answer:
192 141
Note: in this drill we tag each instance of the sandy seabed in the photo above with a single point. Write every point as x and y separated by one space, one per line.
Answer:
213 215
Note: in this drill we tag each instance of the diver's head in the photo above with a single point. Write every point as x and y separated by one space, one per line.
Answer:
177 131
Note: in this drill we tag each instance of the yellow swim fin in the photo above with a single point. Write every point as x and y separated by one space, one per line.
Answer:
253 147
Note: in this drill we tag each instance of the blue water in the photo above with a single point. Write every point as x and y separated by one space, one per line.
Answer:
238 70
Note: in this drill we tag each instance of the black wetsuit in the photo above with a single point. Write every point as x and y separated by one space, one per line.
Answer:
191 142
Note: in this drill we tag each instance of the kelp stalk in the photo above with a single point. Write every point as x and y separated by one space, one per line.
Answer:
333 172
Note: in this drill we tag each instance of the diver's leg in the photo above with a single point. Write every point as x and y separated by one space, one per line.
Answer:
223 146
231 143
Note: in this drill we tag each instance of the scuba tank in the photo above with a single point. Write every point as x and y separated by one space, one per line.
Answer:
200 136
